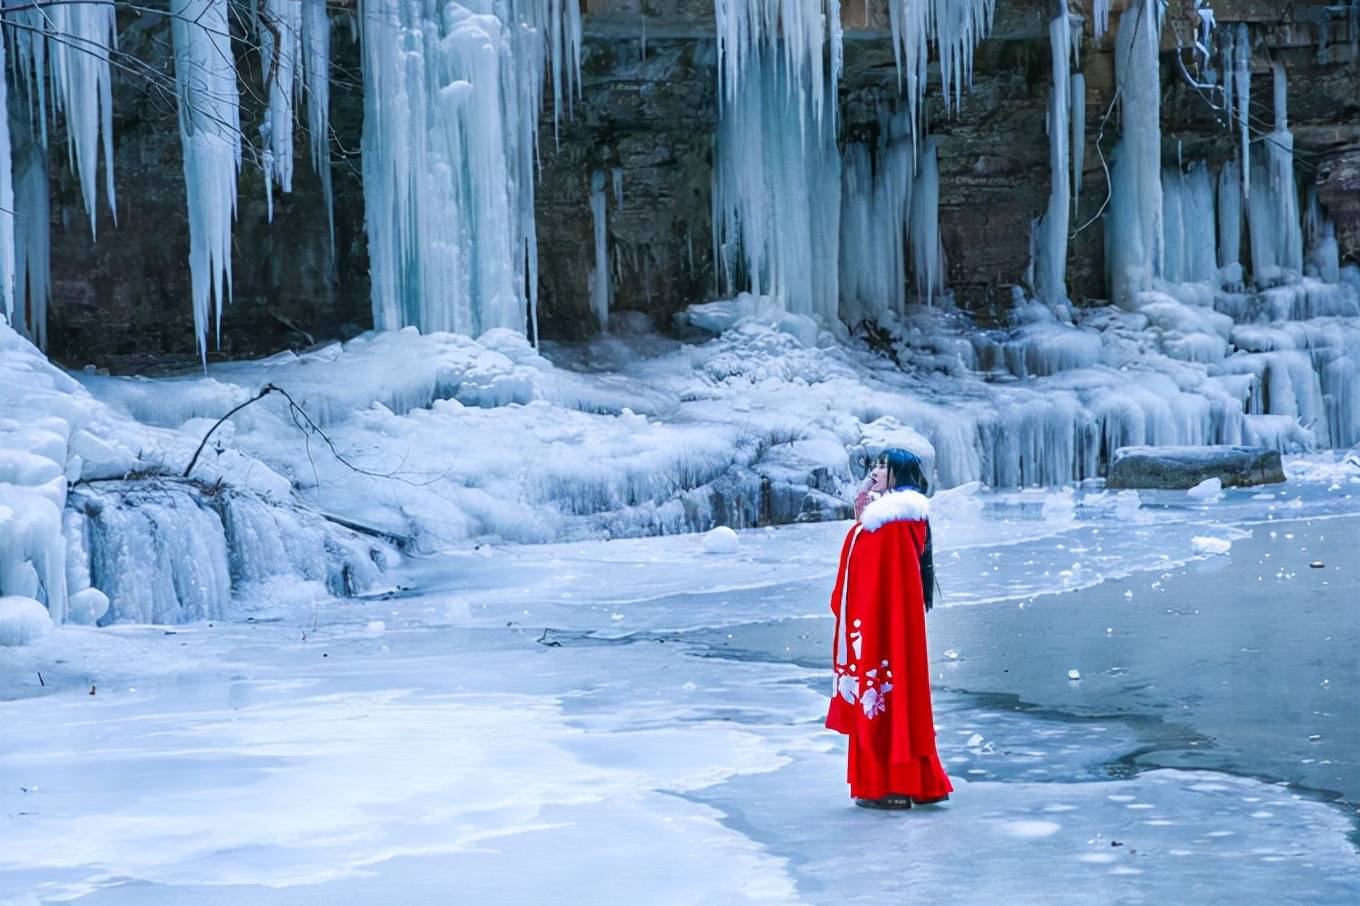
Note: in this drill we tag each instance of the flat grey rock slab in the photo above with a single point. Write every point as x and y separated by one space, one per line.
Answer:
1178 468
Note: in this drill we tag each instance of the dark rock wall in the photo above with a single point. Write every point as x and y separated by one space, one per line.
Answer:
649 110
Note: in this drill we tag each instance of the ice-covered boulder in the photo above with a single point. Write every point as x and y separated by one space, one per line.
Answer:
1181 468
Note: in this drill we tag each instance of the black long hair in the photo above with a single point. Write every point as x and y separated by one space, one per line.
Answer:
905 470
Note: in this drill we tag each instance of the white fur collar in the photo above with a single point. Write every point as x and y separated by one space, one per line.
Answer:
895 506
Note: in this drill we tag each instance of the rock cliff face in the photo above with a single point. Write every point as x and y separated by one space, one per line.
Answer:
648 114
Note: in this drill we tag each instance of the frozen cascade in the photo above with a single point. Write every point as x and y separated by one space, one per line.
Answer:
1133 240
168 551
776 194
599 274
150 548
875 212
316 72
452 94
210 130
1052 227
1324 256
1189 217
280 49
1273 209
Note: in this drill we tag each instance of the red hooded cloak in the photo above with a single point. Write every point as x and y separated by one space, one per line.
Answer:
881 698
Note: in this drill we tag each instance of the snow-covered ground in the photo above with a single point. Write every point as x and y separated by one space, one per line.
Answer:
606 720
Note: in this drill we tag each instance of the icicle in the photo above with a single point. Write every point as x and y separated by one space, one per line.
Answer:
280 48
30 51
9 302
210 133
1227 60
955 27
1052 227
316 75
1230 225
1204 40
1242 79
599 275
1100 16
32 237
1133 239
755 33
82 89
1078 136
927 253
616 179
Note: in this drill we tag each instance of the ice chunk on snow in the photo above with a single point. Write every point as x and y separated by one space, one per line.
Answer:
722 540
1207 490
1207 545
22 620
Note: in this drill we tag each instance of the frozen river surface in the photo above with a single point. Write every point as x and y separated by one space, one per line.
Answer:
618 721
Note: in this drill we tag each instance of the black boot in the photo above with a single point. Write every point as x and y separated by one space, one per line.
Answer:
891 801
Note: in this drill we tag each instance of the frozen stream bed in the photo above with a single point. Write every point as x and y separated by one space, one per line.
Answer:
610 721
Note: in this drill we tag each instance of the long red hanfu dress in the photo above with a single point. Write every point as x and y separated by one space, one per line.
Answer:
881 698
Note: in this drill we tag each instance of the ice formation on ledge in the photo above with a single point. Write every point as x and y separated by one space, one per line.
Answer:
96 526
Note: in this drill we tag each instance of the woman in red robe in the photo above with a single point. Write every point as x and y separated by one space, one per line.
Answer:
884 587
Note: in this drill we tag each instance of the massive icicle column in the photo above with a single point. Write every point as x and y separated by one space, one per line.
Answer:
451 101
1133 236
1051 257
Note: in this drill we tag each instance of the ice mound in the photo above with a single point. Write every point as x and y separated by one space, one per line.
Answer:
721 540
22 620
